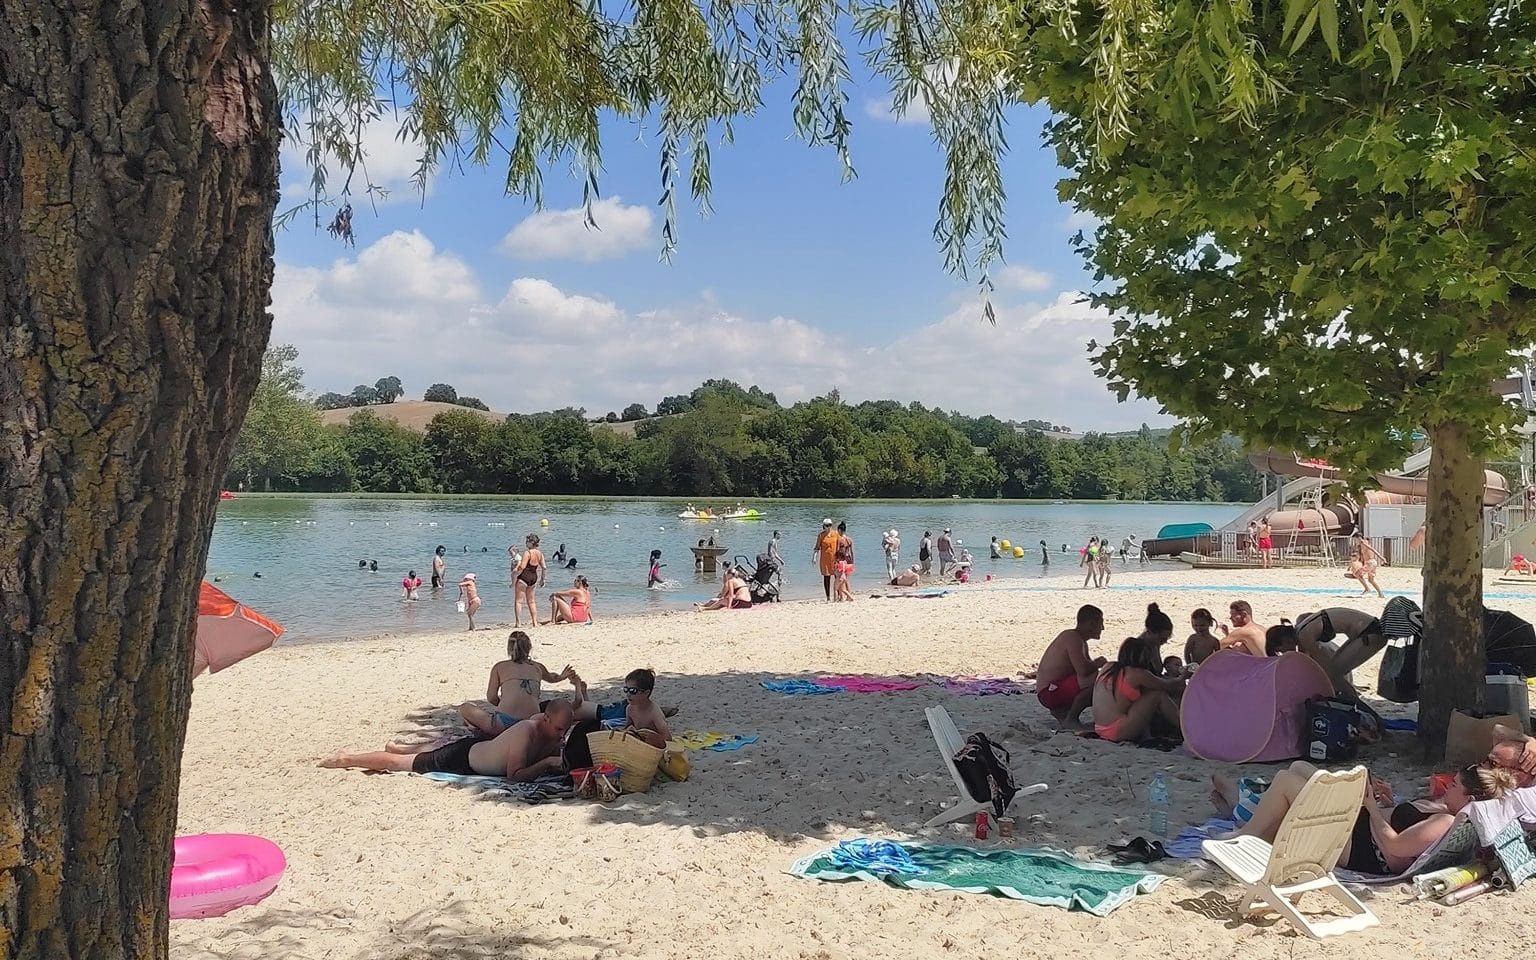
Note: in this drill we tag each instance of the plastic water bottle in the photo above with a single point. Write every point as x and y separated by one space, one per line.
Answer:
1157 805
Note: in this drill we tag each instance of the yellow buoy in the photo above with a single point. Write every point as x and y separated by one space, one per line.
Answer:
1018 553
1006 546
543 523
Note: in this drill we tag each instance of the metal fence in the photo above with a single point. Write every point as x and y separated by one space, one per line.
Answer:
1304 549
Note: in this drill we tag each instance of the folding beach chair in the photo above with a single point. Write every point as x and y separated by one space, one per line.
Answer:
950 743
1307 847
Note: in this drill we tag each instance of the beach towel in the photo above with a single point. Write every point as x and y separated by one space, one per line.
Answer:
713 740
542 790
799 688
1186 846
927 593
856 683
1400 724
1046 877
876 856
988 686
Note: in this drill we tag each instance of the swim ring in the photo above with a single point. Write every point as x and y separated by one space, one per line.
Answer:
214 873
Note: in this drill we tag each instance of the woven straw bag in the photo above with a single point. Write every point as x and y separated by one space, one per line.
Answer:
637 760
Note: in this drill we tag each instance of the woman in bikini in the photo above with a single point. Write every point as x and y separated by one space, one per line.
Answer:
734 593
528 575
1129 697
843 560
1387 838
513 691
573 605
1362 566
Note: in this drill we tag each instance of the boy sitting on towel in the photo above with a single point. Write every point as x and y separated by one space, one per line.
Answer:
637 711
1064 683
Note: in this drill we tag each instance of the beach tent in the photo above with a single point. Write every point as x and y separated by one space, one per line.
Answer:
1239 708
228 631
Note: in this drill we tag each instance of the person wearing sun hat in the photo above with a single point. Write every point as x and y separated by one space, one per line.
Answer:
469 597
825 554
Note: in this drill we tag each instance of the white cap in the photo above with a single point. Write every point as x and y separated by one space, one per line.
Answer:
826 523
469 576
893 531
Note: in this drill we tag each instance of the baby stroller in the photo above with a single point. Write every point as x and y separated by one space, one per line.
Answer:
764 580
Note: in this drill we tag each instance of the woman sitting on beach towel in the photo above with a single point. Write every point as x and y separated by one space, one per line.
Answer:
1387 838
1130 699
514 688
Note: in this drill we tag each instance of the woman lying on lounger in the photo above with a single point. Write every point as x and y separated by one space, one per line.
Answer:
1387 839
1129 698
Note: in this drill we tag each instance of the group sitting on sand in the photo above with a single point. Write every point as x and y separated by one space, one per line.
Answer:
1136 696
519 736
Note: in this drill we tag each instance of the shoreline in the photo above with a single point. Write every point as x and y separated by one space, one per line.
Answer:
400 868
637 498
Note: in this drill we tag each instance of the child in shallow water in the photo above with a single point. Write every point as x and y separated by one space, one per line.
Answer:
513 690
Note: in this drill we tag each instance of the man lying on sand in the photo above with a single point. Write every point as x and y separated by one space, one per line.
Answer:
1065 679
524 752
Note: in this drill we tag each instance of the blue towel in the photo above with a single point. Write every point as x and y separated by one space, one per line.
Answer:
1186 846
874 856
803 688
1401 724
735 743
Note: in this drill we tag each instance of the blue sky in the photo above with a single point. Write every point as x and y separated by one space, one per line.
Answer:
797 281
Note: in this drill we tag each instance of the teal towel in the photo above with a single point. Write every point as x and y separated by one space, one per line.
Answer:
1046 877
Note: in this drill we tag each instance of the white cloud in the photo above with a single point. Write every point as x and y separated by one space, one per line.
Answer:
402 307
1022 279
885 111
1080 220
389 159
565 234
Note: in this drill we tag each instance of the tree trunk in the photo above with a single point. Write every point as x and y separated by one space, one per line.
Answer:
138 177
1451 664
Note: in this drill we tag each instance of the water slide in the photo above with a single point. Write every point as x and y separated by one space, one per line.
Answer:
1394 487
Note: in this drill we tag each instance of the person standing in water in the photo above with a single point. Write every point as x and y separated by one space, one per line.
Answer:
1045 559
892 553
925 553
439 567
653 579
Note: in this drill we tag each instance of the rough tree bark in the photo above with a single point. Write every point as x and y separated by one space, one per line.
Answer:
138 176
1452 661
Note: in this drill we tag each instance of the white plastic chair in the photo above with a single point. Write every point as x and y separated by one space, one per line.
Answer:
950 743
1306 850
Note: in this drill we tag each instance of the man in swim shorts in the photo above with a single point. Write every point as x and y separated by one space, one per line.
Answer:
525 752
1244 634
439 565
1065 679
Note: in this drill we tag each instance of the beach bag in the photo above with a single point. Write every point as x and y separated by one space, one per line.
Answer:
599 783
637 760
675 764
1468 738
1398 680
985 773
1333 731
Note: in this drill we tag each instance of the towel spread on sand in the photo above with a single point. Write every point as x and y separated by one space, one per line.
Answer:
859 683
876 856
1400 724
1186 846
927 593
713 740
988 686
1045 877
799 688
542 790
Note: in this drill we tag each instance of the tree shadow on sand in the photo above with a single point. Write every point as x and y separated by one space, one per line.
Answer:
454 932
827 765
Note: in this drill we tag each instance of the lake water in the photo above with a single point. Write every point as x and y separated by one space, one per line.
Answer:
306 550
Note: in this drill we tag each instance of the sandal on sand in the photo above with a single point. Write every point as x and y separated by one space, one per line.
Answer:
1139 850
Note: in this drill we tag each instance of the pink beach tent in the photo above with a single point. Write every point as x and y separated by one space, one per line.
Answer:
1239 708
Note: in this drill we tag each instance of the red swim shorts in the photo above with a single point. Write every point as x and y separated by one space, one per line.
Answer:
1059 695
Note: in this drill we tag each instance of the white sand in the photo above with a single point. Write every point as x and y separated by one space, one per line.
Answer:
396 867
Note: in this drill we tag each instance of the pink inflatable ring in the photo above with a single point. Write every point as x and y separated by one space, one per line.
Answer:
215 873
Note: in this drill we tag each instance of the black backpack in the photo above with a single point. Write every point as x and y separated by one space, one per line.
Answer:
983 767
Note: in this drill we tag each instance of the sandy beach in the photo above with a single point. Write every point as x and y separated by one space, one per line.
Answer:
393 866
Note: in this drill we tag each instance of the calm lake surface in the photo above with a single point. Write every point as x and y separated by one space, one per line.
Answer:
306 550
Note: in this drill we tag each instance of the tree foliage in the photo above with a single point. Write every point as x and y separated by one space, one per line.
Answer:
740 442
441 393
388 389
